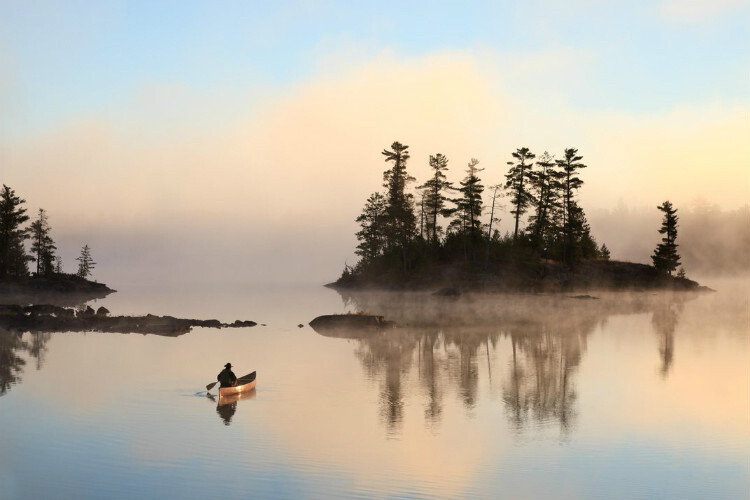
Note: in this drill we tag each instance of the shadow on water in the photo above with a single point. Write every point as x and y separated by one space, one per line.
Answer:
226 406
445 341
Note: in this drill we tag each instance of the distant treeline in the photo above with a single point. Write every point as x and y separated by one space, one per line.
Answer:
14 233
440 223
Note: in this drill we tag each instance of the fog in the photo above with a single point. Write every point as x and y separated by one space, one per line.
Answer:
264 187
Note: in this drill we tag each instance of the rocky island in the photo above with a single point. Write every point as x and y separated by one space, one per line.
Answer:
429 240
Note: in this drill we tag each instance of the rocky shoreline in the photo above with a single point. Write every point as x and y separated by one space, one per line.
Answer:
51 318
536 277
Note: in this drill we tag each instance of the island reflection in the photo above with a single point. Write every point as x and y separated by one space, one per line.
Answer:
448 341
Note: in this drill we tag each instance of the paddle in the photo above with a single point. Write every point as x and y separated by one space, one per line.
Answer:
244 379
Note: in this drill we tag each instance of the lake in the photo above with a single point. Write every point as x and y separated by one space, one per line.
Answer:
622 396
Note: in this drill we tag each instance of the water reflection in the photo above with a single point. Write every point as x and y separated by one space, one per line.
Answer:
12 347
665 317
449 338
226 406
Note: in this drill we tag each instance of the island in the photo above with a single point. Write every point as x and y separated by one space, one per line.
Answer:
444 237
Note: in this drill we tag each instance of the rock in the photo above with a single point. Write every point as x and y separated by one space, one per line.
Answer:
86 313
349 325
242 324
300 325
584 297
102 311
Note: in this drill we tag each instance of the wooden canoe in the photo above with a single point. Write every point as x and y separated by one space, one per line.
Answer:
244 384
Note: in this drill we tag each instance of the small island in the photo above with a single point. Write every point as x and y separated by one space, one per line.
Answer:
48 283
445 238
41 301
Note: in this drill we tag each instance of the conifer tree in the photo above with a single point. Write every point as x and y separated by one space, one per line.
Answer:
372 235
469 205
42 245
400 218
85 263
604 252
574 219
545 189
434 196
13 258
468 210
665 257
517 182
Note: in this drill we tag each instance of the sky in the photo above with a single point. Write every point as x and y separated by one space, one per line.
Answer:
238 141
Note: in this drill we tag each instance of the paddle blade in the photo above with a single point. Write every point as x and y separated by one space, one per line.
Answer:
211 386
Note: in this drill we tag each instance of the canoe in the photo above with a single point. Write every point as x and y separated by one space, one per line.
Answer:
233 398
244 384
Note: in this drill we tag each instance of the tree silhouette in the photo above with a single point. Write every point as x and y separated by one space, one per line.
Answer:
469 207
573 217
665 257
42 245
546 189
85 263
434 196
372 234
13 258
518 178
400 218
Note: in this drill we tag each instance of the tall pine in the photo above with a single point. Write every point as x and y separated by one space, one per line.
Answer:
545 188
434 190
574 220
400 223
468 211
518 184
13 258
42 245
665 257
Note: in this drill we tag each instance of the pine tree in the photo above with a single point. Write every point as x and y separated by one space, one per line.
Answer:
604 252
469 205
13 258
574 219
434 196
42 245
546 193
468 210
85 263
372 234
400 218
518 179
665 257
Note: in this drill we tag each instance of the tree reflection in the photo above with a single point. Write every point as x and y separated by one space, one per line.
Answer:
12 347
546 338
665 318
539 386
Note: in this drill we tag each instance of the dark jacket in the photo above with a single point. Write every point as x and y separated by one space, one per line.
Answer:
227 378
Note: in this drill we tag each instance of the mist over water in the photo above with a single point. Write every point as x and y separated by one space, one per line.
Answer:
630 393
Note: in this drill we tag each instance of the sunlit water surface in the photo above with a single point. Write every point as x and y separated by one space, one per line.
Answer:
632 397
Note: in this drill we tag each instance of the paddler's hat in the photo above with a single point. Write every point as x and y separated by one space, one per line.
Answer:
228 365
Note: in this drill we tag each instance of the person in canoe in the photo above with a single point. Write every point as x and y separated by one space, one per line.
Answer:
226 377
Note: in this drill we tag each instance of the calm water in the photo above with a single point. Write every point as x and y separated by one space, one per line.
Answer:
629 396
